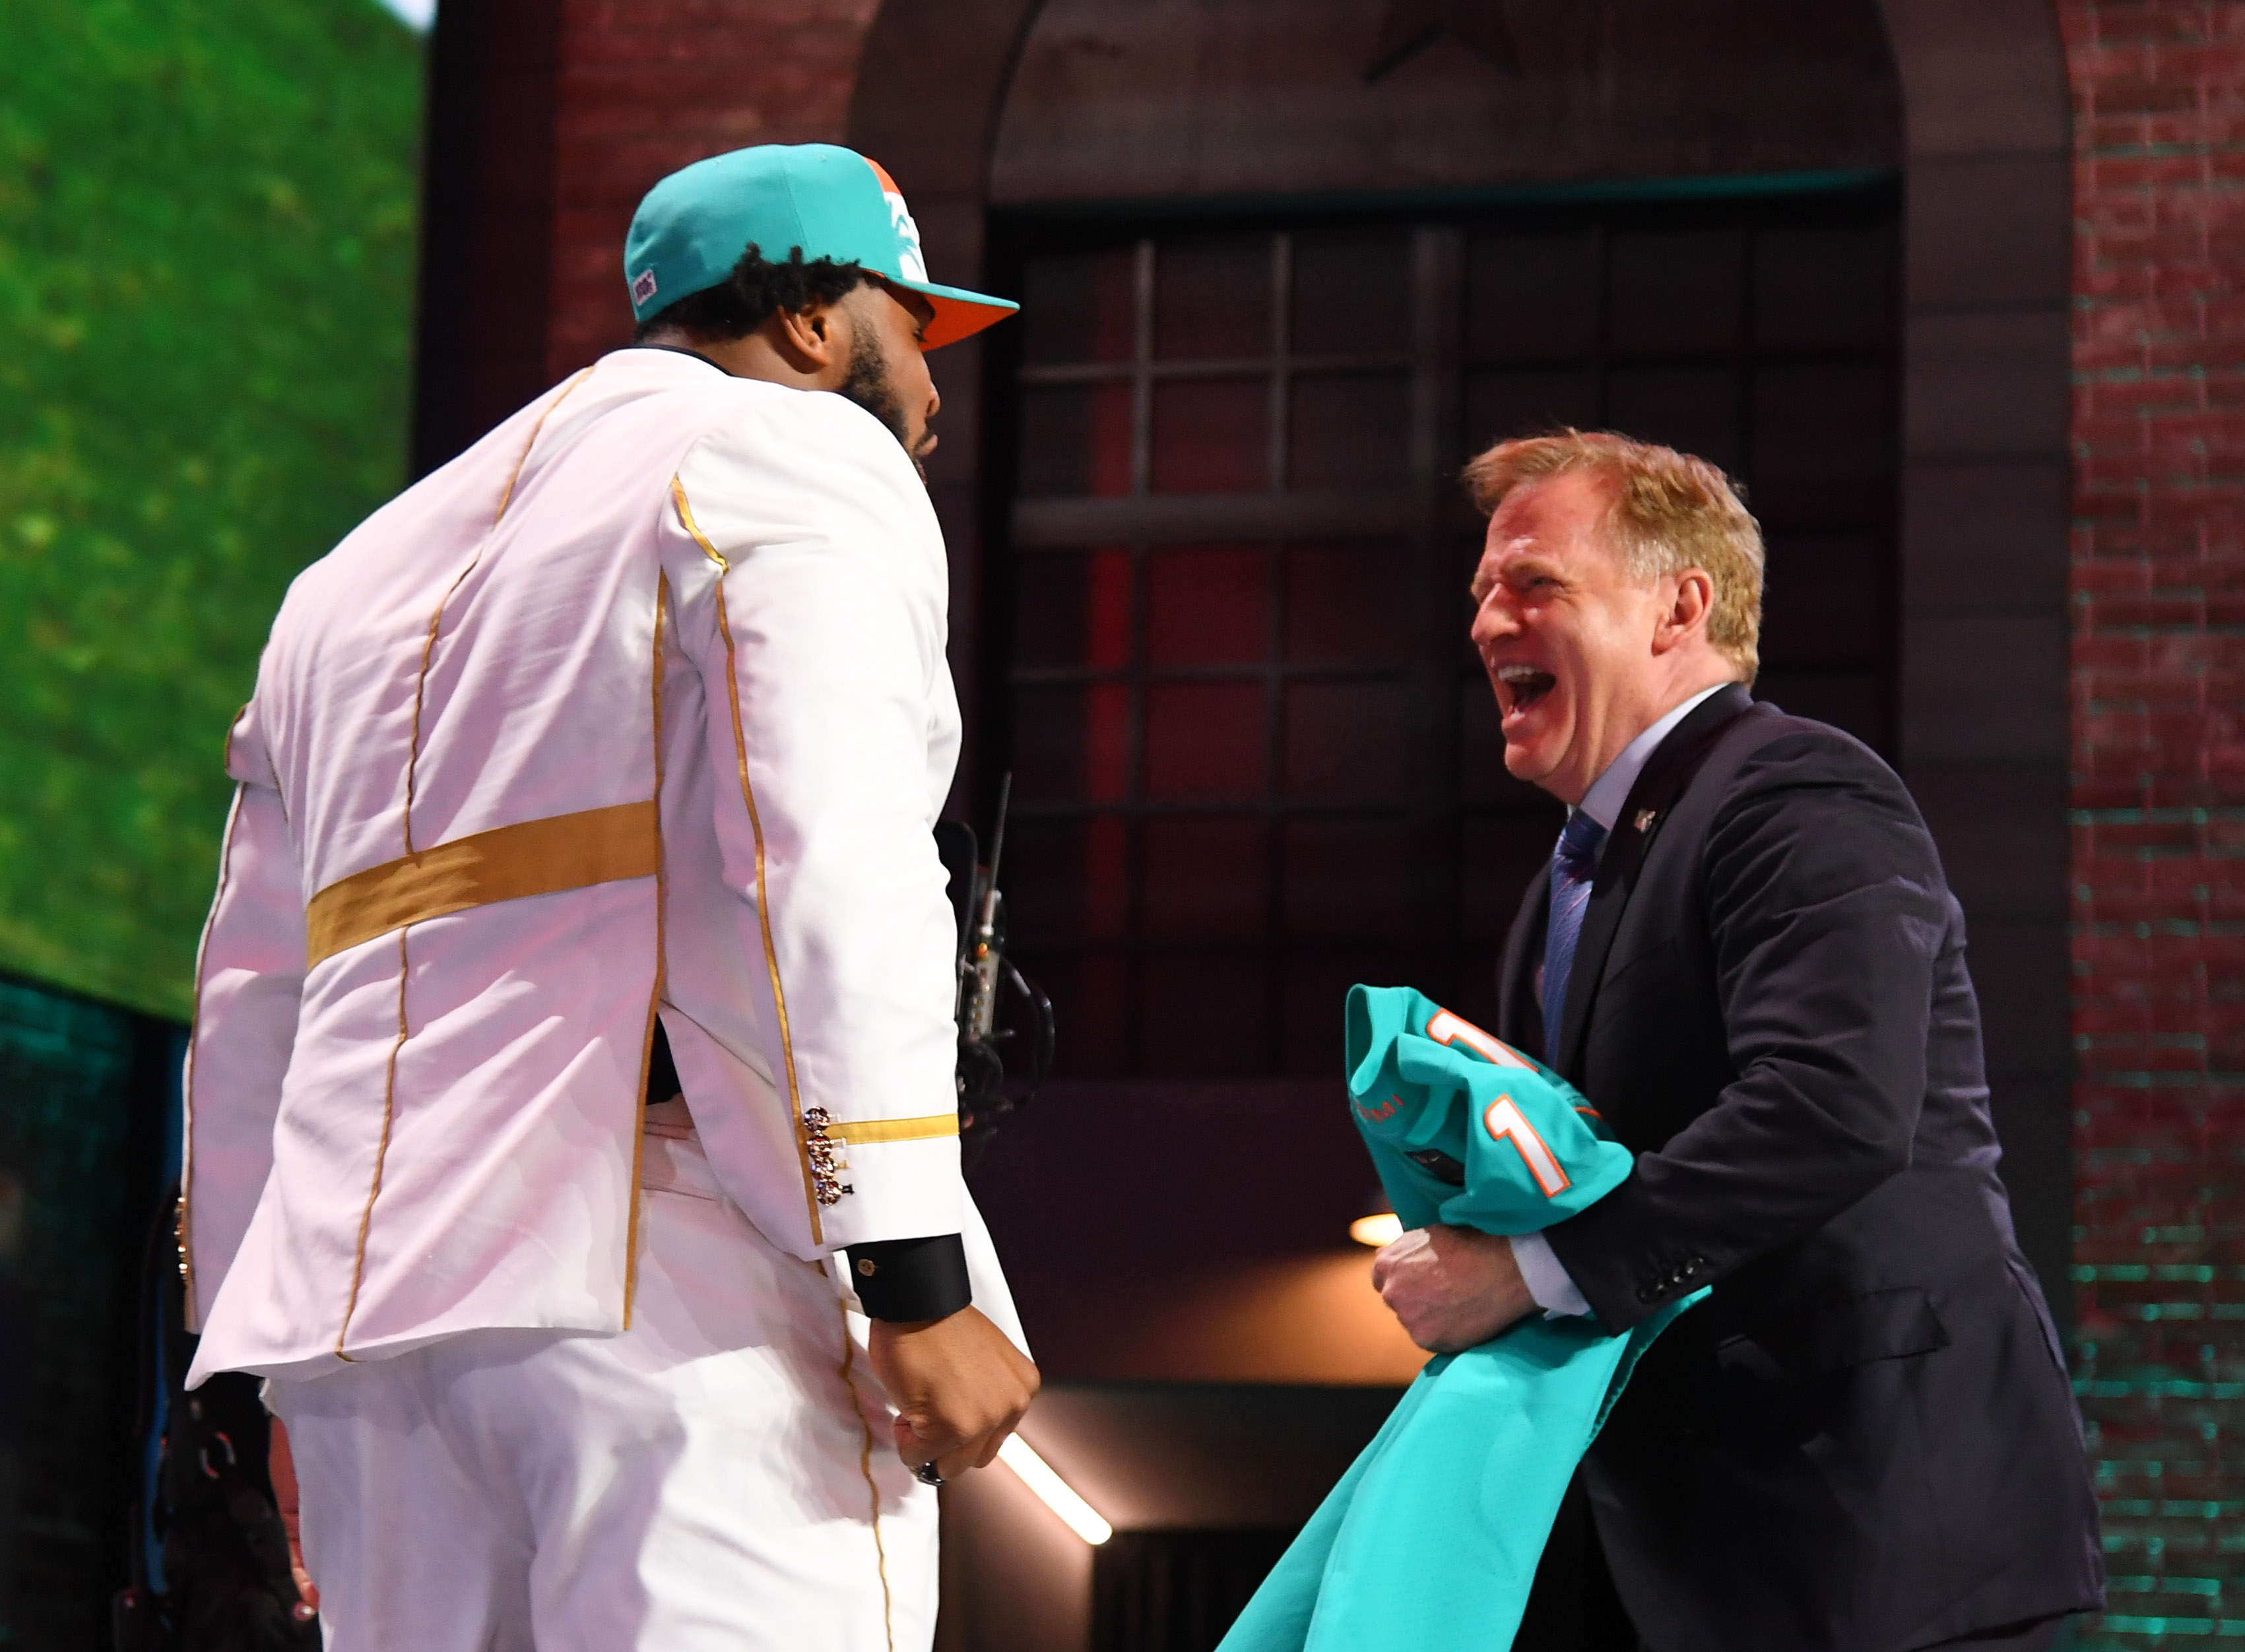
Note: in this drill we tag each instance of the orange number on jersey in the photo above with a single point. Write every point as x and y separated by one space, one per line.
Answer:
1445 1028
1503 1122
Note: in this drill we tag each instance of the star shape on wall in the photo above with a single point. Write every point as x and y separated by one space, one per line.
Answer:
1410 25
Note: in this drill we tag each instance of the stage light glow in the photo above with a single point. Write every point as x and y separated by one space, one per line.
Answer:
1053 1492
1384 1229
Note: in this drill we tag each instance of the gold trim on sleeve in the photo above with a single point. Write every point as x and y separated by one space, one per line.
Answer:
225 752
192 1318
530 858
927 1129
756 827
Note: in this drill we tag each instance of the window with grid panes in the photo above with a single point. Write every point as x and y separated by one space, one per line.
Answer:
1254 758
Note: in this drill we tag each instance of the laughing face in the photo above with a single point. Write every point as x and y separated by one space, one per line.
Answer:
1578 650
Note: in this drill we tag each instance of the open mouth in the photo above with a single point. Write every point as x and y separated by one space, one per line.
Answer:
1524 686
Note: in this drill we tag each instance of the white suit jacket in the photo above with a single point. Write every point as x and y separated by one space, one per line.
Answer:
638 706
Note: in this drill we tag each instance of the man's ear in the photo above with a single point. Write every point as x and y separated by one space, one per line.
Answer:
1687 614
810 338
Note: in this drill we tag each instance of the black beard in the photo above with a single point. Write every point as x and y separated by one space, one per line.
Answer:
869 386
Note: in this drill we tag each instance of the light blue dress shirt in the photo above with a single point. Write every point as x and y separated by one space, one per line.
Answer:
1540 1270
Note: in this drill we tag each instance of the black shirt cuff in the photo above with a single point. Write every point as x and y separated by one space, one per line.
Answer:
911 1278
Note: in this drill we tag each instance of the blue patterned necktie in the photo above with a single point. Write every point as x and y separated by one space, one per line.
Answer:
1573 868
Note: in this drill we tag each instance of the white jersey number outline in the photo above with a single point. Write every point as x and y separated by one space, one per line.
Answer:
1505 1121
1445 1028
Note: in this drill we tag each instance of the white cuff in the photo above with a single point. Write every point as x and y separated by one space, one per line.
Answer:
1546 1279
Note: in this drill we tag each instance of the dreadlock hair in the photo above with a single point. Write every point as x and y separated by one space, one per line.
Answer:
755 288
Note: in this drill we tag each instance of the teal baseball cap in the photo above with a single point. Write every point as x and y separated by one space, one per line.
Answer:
833 202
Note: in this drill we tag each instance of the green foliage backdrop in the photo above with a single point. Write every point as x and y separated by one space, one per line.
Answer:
207 236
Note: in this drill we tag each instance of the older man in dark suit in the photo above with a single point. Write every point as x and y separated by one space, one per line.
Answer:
1744 952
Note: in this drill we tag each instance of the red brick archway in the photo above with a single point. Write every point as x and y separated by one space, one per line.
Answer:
2159 797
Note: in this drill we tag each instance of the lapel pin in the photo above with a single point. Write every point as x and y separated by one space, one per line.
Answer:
1644 819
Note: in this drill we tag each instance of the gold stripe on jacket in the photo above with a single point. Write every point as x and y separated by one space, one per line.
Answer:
532 858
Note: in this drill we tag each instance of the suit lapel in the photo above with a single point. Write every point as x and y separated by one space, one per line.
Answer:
1658 785
1519 1018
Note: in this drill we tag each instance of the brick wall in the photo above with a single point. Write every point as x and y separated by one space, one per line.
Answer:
2158 802
648 85
85 1090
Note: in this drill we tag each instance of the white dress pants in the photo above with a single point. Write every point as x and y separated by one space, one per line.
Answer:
721 1475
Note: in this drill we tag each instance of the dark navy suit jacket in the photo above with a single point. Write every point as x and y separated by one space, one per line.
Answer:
1865 1439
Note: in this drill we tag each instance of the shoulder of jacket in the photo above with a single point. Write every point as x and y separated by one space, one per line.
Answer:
817 418
1764 751
1784 762
780 432
804 467
1787 745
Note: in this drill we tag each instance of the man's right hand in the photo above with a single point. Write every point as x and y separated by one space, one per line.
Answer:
280 1463
1451 1287
959 1385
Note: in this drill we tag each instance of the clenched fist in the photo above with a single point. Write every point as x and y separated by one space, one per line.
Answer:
1452 1288
959 1385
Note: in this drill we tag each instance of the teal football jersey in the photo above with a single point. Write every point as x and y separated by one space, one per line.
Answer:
1430 1540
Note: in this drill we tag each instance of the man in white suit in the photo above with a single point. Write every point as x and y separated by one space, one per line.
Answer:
570 1120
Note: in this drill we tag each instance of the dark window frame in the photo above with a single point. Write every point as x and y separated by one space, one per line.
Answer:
1452 939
